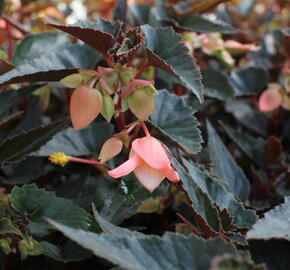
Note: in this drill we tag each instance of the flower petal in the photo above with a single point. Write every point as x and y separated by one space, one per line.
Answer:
270 100
127 167
149 177
111 148
170 173
151 151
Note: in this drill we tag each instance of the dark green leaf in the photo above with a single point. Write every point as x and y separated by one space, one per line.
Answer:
216 85
176 122
251 146
78 143
274 253
71 252
275 224
124 201
226 166
120 12
140 12
191 22
249 81
248 116
36 204
12 97
171 251
219 193
110 228
200 201
174 58
54 66
15 148
33 46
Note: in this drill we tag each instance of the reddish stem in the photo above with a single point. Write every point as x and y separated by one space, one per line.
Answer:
145 129
108 60
86 161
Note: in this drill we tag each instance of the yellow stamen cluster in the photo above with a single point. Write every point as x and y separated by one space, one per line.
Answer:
59 158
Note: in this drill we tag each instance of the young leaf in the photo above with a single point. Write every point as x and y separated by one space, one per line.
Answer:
36 204
175 121
174 58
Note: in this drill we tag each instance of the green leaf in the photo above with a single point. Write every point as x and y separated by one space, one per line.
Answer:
218 191
71 252
226 166
16 148
12 97
124 201
171 251
251 146
216 85
248 116
275 224
78 143
191 22
174 58
110 228
176 122
36 204
199 199
33 46
249 81
6 226
54 66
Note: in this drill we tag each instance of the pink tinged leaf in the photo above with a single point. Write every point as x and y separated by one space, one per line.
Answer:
133 85
149 177
151 151
127 167
105 71
170 174
85 105
105 86
270 100
110 149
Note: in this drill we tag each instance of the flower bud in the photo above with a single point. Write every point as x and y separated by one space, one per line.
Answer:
141 102
270 99
108 107
109 77
127 75
110 149
85 105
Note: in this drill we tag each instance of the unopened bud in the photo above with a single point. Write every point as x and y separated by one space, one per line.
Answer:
85 105
127 75
108 107
141 102
110 149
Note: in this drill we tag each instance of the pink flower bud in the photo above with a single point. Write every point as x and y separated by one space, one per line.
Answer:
110 149
85 105
270 99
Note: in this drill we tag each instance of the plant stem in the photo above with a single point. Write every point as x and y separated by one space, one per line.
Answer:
145 129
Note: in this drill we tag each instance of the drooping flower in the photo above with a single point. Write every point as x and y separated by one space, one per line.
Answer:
149 162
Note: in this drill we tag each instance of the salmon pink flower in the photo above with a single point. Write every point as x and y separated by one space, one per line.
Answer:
149 162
